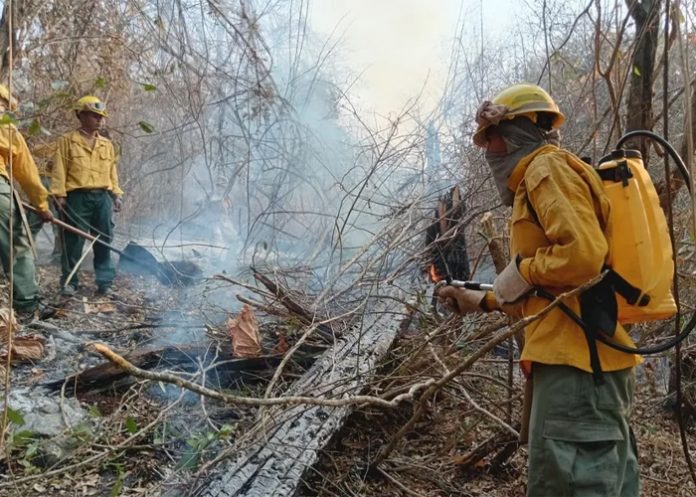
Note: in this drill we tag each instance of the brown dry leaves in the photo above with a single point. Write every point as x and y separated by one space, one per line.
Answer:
244 333
8 324
99 308
24 348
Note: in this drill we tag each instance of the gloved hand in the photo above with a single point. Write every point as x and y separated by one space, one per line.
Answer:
460 300
509 286
46 216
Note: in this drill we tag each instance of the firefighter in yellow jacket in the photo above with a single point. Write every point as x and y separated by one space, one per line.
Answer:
18 245
85 185
580 441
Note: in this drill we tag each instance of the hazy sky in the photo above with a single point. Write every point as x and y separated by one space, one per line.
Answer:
398 46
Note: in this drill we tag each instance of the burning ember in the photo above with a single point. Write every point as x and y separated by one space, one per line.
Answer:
433 274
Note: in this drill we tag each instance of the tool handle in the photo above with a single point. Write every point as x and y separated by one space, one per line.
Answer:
154 267
63 224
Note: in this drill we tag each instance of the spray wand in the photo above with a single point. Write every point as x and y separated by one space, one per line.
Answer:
469 285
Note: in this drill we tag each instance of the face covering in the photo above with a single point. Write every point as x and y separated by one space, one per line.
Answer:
521 137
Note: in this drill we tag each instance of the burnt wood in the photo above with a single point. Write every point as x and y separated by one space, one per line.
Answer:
273 464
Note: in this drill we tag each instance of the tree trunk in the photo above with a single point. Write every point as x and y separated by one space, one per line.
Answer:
639 112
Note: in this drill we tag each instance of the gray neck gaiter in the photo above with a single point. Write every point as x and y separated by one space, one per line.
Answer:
521 137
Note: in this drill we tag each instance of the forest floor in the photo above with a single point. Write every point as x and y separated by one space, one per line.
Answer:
121 439
434 458
93 456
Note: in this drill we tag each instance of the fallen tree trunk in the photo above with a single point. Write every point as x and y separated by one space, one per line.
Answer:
289 439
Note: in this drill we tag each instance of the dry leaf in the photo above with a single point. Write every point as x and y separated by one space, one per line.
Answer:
103 308
5 319
244 333
61 313
25 348
106 308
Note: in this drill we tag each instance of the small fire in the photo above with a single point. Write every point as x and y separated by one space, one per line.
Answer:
434 276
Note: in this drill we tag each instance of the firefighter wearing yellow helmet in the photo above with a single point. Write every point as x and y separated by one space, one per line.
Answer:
24 171
91 103
85 185
520 100
579 398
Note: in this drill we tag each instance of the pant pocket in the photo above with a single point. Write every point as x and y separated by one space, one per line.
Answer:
581 458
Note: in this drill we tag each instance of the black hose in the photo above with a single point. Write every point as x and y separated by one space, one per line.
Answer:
668 146
657 349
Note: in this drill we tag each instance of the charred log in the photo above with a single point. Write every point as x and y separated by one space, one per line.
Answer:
445 240
286 447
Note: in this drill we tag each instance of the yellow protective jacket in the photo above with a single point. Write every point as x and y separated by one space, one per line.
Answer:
23 166
76 166
559 223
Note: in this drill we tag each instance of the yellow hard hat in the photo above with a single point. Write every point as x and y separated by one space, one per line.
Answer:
92 104
523 100
11 101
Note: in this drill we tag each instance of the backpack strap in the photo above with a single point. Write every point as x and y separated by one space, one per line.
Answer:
597 308
632 294
620 173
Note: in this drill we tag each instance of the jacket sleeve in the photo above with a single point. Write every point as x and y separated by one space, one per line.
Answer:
565 209
27 175
115 188
58 174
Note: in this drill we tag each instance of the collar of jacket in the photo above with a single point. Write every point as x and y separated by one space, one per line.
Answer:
76 137
517 174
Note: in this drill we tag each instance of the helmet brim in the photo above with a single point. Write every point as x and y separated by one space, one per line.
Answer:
479 137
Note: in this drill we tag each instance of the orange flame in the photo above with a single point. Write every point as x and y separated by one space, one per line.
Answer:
434 276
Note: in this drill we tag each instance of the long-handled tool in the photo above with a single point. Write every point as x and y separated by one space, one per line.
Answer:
133 253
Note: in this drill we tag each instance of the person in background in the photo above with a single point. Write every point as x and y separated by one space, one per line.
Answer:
16 252
580 440
85 185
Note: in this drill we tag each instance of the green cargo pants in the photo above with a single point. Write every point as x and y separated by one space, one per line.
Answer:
26 291
580 442
91 211
36 223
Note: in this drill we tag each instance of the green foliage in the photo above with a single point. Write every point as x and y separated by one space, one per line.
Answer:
81 433
7 118
146 127
198 447
636 71
34 128
118 484
95 412
149 87
226 431
15 417
100 82
194 450
24 445
131 425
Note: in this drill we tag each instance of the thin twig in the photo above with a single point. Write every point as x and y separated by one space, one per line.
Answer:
254 401
432 389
